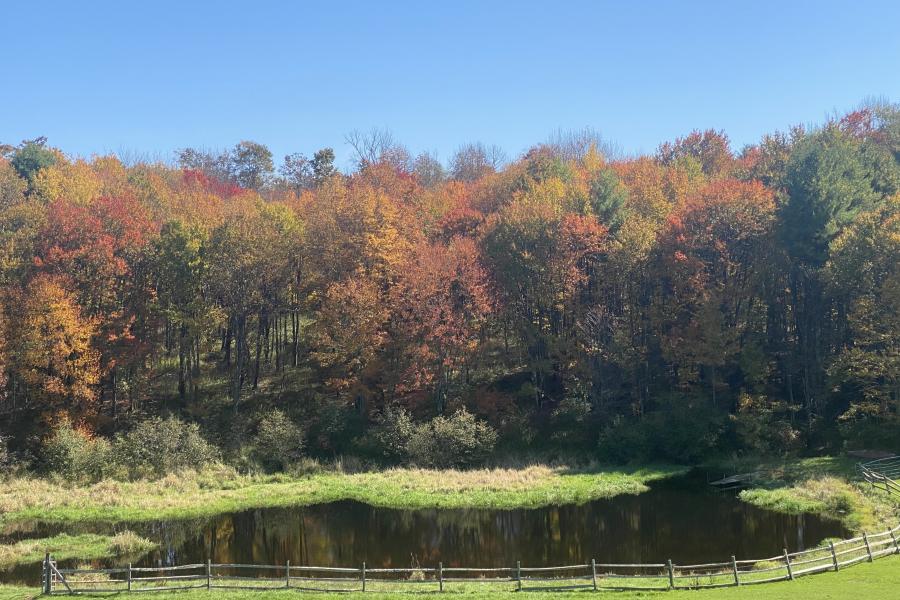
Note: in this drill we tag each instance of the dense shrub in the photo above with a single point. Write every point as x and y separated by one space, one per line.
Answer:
333 428
623 441
761 435
389 437
457 441
75 454
5 458
762 426
683 437
517 430
158 446
570 423
687 436
278 441
881 434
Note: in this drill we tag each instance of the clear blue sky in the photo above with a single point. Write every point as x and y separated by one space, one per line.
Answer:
155 76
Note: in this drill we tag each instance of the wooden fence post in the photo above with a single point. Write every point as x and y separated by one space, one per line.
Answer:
518 575
671 569
48 584
363 573
287 574
787 562
868 547
594 573
208 573
737 581
834 556
129 577
894 539
440 576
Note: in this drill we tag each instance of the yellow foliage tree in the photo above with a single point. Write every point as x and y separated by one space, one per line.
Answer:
111 174
75 182
54 358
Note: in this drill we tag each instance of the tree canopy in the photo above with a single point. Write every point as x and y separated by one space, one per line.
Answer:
565 298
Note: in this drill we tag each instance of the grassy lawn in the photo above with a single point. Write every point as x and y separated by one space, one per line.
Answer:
867 580
190 495
826 485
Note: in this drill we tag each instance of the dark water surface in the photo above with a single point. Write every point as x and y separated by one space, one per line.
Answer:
683 519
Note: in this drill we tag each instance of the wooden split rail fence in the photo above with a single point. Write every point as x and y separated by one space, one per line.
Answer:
832 556
882 473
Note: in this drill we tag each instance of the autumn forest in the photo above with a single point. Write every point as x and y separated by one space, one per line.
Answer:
701 300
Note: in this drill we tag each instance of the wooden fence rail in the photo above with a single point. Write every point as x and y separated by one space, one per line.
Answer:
882 473
588 575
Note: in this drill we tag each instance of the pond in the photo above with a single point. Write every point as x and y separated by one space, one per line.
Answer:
682 518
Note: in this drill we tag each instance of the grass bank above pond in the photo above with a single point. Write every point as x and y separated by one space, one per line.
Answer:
189 495
865 580
828 485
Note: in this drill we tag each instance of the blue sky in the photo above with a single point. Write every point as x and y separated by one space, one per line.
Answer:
156 76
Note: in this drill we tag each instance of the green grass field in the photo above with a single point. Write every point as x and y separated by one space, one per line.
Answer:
878 580
190 495
826 485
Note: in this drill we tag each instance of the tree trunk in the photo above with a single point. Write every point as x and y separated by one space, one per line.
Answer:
226 343
295 326
259 340
238 374
183 361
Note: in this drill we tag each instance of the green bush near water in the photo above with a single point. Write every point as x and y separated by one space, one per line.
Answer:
159 446
278 441
458 440
153 448
156 447
390 435
684 437
75 455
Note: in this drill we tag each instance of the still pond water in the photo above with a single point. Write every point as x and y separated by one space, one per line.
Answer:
682 518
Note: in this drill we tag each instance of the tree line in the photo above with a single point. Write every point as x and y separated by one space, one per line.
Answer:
696 300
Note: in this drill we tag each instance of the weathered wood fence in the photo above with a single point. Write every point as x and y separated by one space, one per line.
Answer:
882 473
832 556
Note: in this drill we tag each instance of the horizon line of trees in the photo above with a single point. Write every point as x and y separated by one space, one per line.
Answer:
691 300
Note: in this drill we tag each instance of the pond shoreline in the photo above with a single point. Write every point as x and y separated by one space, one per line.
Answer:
208 493
609 529
825 485
28 501
821 486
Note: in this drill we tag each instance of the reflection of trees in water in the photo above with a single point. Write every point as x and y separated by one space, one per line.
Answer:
689 527
171 536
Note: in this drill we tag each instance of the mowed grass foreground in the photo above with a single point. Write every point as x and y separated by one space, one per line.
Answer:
216 491
877 580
